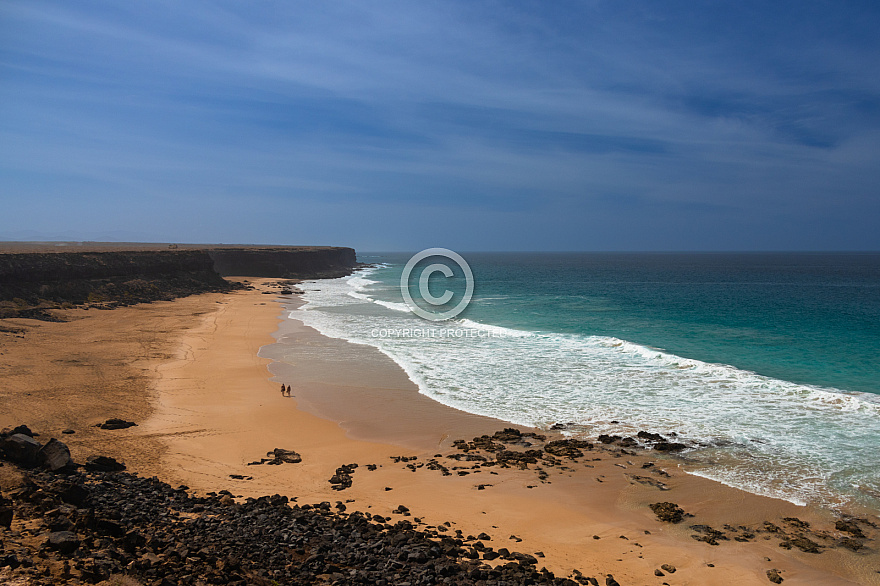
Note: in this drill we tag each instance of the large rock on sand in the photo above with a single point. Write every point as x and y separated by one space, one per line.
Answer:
55 456
21 449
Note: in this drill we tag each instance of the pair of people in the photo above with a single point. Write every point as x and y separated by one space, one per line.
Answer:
285 392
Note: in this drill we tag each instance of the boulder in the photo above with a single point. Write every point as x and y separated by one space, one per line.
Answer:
21 449
55 456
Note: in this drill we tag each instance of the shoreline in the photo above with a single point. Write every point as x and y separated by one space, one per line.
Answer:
217 409
844 503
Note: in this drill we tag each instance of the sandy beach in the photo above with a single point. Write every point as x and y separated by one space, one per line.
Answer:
206 399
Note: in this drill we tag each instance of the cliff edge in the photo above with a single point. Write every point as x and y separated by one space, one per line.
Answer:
35 277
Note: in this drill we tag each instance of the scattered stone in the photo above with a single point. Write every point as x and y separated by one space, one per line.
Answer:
115 423
668 512
657 572
668 568
773 576
68 432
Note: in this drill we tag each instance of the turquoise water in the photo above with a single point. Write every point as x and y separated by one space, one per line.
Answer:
808 318
768 362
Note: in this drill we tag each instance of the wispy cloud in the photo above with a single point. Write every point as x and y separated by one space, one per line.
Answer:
572 114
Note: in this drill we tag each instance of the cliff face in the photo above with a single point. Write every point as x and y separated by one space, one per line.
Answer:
291 263
32 282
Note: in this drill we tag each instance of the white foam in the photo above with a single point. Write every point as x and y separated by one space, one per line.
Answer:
815 437
495 330
392 305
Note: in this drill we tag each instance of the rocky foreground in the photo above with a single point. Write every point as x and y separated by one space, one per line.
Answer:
88 524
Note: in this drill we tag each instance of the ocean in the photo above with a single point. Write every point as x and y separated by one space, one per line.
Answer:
766 363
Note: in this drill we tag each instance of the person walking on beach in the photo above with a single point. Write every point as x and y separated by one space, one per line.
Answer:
288 390
282 389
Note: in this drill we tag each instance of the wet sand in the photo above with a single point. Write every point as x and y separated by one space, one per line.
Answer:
189 373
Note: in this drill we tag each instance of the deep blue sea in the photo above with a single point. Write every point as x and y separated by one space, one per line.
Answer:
768 362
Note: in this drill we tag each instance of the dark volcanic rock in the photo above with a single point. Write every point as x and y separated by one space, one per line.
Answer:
103 464
55 456
22 429
708 534
570 448
668 512
650 437
802 543
63 542
22 449
286 456
849 526
115 423
122 524
773 576
669 446
520 458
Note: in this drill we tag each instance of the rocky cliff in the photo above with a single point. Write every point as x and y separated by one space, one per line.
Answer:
33 279
287 262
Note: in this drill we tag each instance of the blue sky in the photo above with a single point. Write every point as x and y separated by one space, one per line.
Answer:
468 125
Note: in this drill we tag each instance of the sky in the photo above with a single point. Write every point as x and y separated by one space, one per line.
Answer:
472 125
